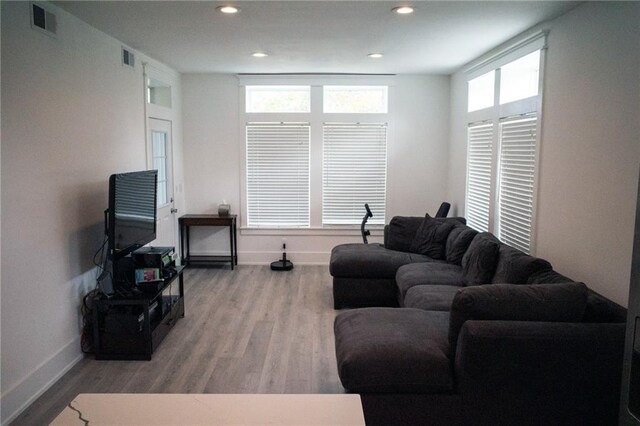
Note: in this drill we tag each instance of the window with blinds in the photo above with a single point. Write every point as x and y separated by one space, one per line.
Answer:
354 172
277 174
516 185
503 143
479 159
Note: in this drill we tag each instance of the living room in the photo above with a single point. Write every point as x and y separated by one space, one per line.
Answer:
73 115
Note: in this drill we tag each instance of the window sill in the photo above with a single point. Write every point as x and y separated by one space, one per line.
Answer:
376 230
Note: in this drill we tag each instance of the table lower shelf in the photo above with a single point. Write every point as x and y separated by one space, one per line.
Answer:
207 260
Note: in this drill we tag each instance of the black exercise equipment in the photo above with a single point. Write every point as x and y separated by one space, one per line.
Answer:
366 217
443 211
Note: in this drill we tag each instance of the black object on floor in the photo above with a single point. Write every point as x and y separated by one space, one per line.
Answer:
282 264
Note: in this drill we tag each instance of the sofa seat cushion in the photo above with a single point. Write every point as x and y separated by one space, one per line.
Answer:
430 297
516 267
427 274
387 350
369 261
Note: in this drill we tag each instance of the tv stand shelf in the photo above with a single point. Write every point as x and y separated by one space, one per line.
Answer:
130 327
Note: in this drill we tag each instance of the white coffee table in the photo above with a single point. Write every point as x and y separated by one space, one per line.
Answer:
212 409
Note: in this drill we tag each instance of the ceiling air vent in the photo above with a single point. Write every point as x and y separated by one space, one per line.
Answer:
43 20
128 58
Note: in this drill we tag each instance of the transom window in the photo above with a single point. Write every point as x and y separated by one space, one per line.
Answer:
355 99
273 99
482 91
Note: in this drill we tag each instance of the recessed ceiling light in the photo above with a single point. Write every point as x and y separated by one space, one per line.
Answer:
259 54
403 10
228 9
375 55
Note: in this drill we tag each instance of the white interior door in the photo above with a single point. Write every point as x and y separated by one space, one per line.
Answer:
160 154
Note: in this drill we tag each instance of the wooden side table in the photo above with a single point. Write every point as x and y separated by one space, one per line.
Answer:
187 221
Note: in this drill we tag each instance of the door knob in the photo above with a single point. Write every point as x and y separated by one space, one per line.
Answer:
174 210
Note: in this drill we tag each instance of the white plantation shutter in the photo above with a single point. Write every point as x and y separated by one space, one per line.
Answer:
517 169
480 140
278 174
354 172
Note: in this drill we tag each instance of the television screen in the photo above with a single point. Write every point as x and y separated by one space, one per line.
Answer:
132 210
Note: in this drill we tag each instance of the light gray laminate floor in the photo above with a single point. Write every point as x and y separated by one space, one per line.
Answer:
251 330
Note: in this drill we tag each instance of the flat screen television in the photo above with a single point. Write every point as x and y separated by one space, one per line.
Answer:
132 211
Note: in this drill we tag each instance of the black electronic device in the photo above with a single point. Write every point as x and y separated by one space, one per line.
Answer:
153 266
154 257
132 211
125 321
130 223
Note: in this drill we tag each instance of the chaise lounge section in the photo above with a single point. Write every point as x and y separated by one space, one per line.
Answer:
364 274
492 336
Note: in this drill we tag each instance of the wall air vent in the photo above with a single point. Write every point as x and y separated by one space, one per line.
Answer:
43 20
128 58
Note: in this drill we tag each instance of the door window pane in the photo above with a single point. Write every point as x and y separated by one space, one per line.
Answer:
159 154
481 91
519 79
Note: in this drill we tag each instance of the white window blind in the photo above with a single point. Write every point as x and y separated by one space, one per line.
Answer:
354 172
517 172
278 174
480 141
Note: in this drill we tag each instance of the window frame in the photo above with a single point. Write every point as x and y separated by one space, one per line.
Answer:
316 118
497 112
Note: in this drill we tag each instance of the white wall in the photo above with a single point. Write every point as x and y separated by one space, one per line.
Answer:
590 152
417 161
71 116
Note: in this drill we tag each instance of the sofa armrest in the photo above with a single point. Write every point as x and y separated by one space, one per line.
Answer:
526 372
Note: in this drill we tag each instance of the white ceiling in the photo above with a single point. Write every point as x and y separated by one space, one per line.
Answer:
314 36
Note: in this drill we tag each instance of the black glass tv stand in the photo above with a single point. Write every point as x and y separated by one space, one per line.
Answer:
131 326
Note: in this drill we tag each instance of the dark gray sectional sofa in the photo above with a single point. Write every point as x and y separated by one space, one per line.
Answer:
455 327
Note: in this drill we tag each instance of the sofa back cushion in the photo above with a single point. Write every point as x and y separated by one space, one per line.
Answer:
511 302
480 259
458 242
431 237
601 309
401 231
548 277
515 267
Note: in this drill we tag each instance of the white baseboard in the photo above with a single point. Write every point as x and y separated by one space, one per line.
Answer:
266 257
14 400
